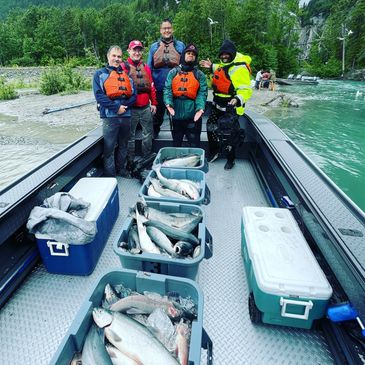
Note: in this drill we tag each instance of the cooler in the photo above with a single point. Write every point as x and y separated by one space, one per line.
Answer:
287 284
81 259
163 264
179 174
140 282
167 153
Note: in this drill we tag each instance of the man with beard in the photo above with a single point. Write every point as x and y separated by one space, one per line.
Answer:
185 94
231 89
163 56
146 102
115 93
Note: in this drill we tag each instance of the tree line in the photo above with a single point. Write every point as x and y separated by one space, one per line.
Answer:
266 30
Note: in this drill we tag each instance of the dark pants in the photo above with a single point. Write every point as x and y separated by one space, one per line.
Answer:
223 133
160 112
116 133
188 128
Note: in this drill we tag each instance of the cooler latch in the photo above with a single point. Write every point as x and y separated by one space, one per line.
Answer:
308 306
58 248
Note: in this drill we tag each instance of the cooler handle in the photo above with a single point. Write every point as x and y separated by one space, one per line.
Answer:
62 248
208 244
207 344
308 306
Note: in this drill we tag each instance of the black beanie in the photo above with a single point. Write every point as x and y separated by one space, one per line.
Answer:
190 47
228 47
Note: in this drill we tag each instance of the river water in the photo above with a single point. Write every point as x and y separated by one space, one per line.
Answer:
329 126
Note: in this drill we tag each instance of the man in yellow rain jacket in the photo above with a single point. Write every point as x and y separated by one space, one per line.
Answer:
231 89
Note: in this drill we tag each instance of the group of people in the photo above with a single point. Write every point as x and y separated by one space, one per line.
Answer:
265 79
132 92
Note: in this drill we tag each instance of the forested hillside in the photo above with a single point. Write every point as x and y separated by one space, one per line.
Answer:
267 30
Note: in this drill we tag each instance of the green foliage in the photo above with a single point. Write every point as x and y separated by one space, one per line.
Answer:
62 79
7 91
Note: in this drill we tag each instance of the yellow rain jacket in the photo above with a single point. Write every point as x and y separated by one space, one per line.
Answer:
239 75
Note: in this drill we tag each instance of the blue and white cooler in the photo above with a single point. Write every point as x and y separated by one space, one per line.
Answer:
81 259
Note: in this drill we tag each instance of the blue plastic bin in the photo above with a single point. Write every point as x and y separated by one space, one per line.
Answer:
166 153
76 259
140 282
163 264
179 174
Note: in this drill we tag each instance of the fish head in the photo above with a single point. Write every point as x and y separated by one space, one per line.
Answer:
102 317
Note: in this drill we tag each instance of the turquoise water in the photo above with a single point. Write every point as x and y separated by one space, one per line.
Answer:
329 126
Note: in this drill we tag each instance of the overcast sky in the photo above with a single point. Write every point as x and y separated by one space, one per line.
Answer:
303 2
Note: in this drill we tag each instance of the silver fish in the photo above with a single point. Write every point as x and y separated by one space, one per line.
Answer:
132 338
182 343
142 304
161 240
110 296
134 245
152 192
164 191
144 239
94 351
118 357
183 161
183 248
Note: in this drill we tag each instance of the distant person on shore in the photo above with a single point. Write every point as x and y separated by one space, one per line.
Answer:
272 80
231 89
146 101
185 94
163 56
265 81
115 94
258 79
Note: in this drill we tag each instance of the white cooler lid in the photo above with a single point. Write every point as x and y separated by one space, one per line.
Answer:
282 261
96 191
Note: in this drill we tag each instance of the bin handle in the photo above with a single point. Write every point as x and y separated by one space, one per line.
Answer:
59 246
206 199
308 306
207 344
208 244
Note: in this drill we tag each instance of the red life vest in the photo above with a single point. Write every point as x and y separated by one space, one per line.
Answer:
118 85
166 55
185 84
140 77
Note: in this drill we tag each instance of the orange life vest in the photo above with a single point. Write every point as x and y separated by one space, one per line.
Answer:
166 55
118 85
140 77
185 84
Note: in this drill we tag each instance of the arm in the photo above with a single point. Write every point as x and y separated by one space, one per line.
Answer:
167 92
242 84
150 56
201 98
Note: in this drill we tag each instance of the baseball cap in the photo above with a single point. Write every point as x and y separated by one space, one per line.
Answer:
135 44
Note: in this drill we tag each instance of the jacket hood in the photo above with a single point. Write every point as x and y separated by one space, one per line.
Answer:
190 66
228 47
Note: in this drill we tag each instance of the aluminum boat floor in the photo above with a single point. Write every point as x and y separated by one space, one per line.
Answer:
34 321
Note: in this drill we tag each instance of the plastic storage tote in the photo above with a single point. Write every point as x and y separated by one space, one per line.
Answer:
167 153
76 259
286 283
140 282
163 264
179 174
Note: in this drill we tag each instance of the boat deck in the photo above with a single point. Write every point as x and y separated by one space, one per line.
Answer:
34 321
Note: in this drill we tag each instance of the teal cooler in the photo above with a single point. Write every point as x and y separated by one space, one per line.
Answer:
81 259
179 174
137 281
288 286
163 264
168 153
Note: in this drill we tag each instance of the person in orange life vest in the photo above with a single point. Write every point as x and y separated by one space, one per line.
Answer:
115 93
231 88
146 99
185 94
163 56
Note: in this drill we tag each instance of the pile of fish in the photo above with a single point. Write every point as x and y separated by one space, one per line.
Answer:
134 329
190 160
158 232
173 188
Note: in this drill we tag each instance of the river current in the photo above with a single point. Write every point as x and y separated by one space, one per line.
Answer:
329 126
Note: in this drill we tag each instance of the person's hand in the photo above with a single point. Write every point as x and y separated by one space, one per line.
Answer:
198 115
233 102
206 63
122 109
153 109
171 110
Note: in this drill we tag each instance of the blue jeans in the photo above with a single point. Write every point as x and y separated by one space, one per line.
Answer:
116 133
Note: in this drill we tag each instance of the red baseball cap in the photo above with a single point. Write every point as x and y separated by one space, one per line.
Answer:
135 44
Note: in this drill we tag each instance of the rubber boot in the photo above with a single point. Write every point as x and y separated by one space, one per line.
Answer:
230 154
